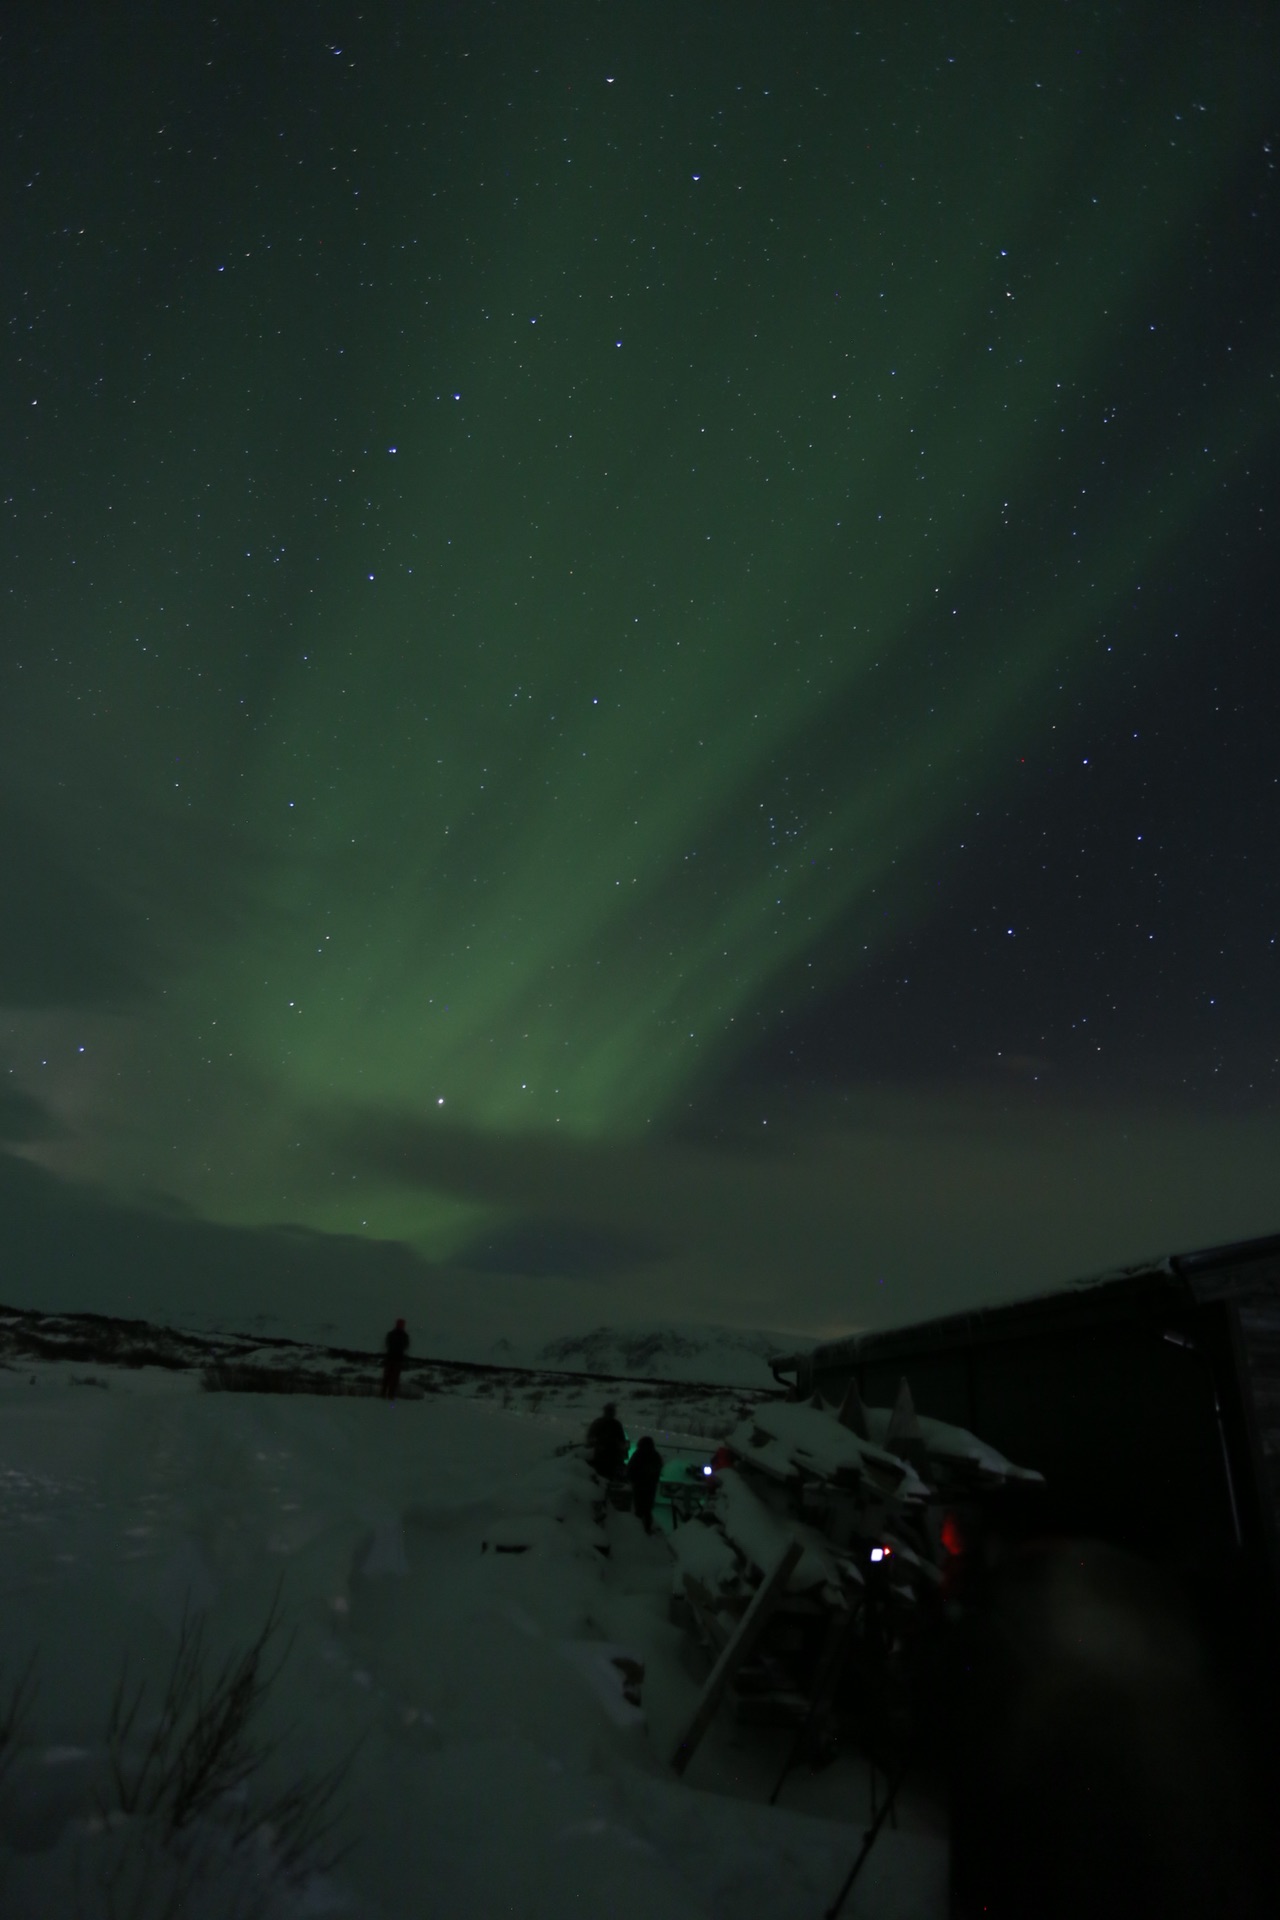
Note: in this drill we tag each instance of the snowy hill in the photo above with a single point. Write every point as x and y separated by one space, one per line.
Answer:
727 1356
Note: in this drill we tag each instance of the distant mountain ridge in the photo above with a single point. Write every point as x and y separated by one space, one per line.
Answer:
711 1356
31 1341
730 1356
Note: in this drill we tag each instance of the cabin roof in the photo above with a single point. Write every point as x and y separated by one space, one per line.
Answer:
1168 1284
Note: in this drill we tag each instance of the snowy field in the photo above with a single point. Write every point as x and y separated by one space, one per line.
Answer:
455 1629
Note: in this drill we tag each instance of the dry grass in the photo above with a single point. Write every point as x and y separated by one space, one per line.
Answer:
205 1749
240 1376
188 1819
15 1714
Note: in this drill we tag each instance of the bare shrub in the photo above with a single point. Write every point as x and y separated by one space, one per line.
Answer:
184 1787
245 1377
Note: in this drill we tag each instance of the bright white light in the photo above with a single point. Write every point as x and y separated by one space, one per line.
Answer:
877 1553
707 1471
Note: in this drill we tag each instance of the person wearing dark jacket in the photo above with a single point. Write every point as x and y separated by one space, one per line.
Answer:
395 1346
644 1470
607 1439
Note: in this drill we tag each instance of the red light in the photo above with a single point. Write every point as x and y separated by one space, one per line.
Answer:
952 1539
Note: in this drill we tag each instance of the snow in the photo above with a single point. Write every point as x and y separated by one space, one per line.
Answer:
729 1356
703 1553
455 1628
763 1538
813 1437
952 1443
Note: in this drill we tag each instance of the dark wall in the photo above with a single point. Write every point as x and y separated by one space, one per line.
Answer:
1119 1419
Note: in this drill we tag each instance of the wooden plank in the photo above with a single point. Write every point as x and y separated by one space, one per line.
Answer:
750 1627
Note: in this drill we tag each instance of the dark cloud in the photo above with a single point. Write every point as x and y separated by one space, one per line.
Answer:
69 1246
888 1207
562 1249
170 1206
516 1171
23 1118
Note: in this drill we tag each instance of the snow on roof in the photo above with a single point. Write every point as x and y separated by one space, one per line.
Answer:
762 1536
945 1442
811 1437
1164 1266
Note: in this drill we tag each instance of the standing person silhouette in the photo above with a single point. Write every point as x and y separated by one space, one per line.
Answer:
607 1440
644 1470
396 1345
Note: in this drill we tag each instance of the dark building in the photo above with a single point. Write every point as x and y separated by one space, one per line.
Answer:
1148 1398
1114 1677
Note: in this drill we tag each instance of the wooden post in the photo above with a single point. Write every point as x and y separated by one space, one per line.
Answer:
752 1624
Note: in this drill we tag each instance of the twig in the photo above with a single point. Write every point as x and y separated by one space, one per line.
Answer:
14 1716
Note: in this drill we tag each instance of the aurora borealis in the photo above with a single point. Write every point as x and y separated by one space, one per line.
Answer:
639 641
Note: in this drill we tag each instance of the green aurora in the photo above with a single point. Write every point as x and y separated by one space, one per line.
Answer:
530 551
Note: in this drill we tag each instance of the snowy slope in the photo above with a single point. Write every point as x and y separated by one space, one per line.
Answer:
440 1565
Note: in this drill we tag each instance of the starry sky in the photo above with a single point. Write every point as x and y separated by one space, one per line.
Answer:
637 652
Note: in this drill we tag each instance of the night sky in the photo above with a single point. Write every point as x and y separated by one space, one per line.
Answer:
639 649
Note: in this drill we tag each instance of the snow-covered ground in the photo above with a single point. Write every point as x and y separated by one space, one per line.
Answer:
455 1623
